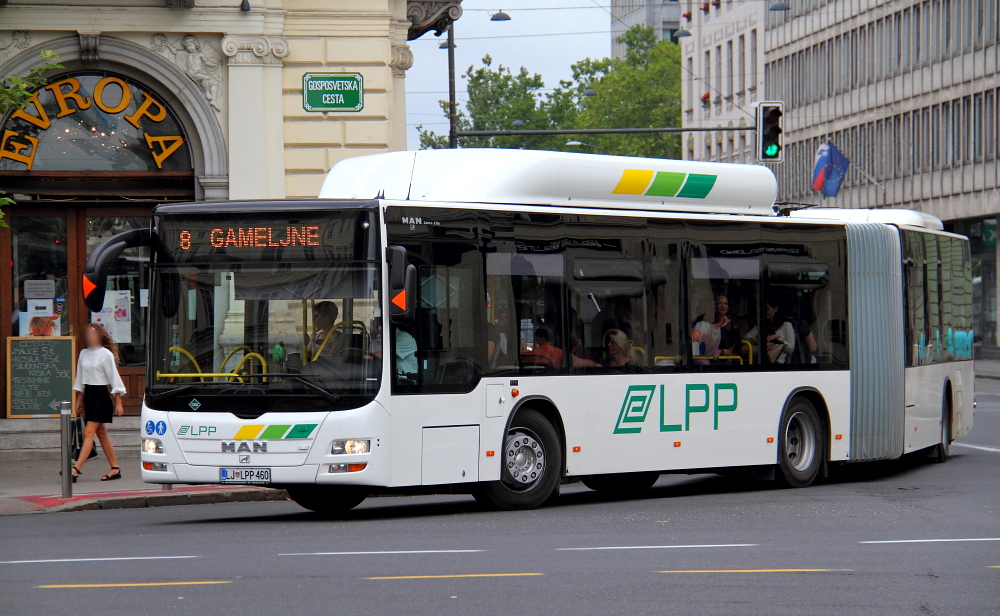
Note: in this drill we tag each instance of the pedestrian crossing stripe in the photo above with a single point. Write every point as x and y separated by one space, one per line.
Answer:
274 432
665 184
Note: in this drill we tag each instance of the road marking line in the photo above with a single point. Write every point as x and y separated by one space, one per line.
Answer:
458 575
993 566
934 540
83 560
384 552
753 570
660 547
979 447
137 584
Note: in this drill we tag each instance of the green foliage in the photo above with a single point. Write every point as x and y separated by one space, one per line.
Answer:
15 92
641 90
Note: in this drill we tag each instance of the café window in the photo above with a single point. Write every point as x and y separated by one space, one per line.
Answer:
93 122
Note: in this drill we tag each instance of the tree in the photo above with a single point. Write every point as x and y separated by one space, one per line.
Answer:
15 92
641 90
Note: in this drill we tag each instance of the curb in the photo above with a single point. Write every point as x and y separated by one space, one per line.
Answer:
155 499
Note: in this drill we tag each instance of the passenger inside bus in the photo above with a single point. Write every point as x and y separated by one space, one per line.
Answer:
325 340
621 356
719 336
543 348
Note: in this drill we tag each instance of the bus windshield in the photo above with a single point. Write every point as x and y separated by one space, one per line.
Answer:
250 329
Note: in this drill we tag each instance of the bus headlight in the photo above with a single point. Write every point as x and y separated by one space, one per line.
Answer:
351 446
152 445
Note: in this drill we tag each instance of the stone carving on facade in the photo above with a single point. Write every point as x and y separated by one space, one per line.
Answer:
19 39
255 50
427 15
200 61
90 47
400 59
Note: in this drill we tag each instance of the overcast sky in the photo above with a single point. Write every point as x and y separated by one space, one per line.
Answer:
581 29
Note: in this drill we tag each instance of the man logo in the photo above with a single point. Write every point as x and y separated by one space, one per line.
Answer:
231 447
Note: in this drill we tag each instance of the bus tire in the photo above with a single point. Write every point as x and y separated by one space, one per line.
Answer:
801 443
943 449
530 467
621 485
327 500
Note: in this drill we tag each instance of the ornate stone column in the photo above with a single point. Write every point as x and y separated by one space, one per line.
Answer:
256 139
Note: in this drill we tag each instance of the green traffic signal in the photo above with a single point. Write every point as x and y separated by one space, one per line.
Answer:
771 150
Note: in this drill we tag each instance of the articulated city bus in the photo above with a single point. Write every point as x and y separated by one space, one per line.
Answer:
497 321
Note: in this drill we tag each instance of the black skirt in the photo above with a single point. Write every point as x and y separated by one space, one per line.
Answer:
97 405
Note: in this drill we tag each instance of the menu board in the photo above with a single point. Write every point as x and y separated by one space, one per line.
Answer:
40 373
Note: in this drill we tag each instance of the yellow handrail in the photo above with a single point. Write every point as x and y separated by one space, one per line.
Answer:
709 357
233 352
263 363
329 334
191 357
657 358
749 348
175 375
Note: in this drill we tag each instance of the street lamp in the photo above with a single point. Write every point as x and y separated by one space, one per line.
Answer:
517 123
681 33
589 145
590 92
452 103
499 16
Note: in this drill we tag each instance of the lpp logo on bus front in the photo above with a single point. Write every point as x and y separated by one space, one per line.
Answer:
698 398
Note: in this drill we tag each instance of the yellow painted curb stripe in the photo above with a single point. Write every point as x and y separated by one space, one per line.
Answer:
752 570
248 432
459 575
633 182
137 584
993 567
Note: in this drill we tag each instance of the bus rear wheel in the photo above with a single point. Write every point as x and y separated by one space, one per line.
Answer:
801 443
530 466
621 485
327 500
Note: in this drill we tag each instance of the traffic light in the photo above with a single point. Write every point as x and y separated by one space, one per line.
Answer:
769 131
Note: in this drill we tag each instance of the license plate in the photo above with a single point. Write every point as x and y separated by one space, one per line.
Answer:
245 475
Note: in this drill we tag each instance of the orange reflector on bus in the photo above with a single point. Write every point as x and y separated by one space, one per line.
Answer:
839 436
515 393
400 300
770 439
576 449
353 468
148 466
914 428
677 443
490 453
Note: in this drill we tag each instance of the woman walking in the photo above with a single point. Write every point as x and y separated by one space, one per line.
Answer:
97 379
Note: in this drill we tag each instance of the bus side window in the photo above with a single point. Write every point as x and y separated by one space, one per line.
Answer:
664 273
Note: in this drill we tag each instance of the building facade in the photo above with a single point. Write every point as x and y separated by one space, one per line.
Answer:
907 90
663 16
176 100
722 77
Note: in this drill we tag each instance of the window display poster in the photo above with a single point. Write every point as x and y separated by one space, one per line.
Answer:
39 320
116 316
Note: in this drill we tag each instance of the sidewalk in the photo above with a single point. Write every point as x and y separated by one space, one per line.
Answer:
34 486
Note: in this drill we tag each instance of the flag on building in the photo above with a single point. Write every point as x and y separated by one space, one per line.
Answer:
830 169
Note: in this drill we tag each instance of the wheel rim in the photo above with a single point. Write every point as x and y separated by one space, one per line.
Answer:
524 459
800 442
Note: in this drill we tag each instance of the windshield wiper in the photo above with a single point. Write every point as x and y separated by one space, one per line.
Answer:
326 393
161 395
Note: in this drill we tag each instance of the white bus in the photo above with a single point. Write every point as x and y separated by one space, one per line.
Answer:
498 322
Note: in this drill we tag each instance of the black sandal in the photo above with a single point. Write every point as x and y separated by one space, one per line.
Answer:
110 477
76 475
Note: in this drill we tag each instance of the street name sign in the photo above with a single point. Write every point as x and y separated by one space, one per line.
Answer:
333 92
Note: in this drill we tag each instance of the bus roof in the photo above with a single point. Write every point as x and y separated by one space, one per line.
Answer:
908 218
536 177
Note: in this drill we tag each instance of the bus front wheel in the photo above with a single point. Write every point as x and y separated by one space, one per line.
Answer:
530 465
801 443
327 500
943 449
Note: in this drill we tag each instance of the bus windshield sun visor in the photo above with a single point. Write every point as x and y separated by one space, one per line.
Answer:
95 273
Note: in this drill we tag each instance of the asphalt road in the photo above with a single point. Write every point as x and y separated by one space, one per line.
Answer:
908 537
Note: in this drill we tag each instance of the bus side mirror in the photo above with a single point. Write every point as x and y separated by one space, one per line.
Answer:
402 286
95 273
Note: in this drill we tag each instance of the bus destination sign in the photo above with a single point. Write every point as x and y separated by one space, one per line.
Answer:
333 92
252 237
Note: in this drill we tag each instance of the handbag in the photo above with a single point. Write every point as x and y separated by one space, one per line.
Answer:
775 353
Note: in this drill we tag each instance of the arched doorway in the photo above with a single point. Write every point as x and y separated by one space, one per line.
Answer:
89 156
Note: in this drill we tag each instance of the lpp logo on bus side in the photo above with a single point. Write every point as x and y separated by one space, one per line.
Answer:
698 398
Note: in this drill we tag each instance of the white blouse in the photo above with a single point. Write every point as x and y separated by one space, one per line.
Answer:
97 367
